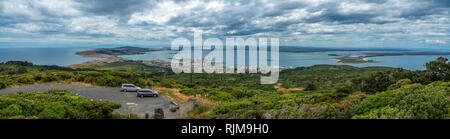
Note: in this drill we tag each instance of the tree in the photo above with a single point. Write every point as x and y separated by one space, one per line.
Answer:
439 65
22 70
409 102
344 88
438 69
310 87
399 84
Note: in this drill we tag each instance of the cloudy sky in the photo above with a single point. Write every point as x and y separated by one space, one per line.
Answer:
333 23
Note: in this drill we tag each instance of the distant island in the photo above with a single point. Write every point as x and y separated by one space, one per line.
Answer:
354 60
304 49
117 51
362 58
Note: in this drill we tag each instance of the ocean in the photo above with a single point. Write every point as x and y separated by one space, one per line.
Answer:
292 60
67 56
44 56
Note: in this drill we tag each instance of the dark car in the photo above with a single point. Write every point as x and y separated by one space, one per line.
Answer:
146 92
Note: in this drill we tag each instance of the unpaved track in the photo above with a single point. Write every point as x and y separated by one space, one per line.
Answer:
108 94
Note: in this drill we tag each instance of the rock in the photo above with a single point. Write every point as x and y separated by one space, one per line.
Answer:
174 108
254 115
267 116
194 101
158 114
173 103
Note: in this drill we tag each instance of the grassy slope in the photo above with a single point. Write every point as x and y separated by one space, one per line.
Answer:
324 76
241 95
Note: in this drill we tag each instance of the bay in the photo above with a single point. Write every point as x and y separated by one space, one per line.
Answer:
67 56
292 60
44 56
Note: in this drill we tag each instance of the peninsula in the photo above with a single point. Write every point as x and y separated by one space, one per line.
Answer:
117 51
362 57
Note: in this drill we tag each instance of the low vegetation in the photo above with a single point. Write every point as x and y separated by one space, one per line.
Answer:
54 104
408 102
316 92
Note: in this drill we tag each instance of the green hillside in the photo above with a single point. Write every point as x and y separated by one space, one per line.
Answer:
323 91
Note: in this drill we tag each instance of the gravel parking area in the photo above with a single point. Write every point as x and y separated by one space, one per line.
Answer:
128 100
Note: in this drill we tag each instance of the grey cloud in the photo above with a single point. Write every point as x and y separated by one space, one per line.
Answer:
424 9
239 20
375 1
255 10
115 7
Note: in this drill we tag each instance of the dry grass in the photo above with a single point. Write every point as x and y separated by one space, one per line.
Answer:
175 95
57 82
98 55
287 90
96 62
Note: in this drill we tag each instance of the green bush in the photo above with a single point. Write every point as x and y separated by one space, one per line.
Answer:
3 85
310 87
53 110
228 107
399 84
437 70
344 88
409 102
223 96
53 104
25 79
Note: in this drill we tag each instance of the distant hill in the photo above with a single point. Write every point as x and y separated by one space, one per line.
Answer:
113 52
298 49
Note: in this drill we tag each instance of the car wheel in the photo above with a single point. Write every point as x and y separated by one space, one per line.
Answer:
155 95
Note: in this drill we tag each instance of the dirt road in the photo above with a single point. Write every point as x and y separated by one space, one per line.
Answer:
128 100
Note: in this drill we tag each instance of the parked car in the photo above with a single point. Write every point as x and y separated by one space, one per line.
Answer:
146 92
129 88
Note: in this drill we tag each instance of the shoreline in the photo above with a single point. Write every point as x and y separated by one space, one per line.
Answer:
117 51
347 59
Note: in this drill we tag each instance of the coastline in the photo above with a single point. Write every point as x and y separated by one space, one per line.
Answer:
353 59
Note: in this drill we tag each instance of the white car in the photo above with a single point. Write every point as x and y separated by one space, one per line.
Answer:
129 88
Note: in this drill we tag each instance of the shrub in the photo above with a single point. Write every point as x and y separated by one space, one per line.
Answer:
409 102
310 87
3 85
229 107
344 88
54 110
223 96
54 104
25 79
399 84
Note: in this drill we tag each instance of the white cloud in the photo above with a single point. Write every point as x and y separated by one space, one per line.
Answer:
340 22
59 7
347 7
93 25
435 42
35 9
37 27
20 8
166 10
